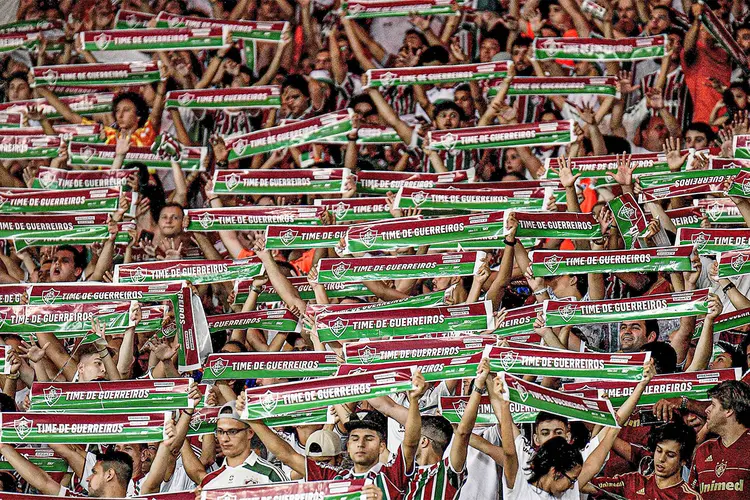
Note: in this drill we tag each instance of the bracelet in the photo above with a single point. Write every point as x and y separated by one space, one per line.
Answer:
222 164
540 292
255 289
189 414
600 241
12 377
479 391
509 244
728 287
212 199
105 350
683 403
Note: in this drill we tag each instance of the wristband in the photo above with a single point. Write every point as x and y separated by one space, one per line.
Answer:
255 289
728 287
508 243
540 292
479 391
683 403
222 164
13 376
212 199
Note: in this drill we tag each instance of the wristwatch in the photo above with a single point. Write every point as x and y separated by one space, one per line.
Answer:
683 403
479 391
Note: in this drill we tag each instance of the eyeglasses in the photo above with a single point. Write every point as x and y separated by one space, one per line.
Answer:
229 432
572 481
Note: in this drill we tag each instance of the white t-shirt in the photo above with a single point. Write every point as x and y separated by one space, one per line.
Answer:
180 481
522 490
483 480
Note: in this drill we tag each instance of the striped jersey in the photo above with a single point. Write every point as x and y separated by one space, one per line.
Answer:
676 95
438 481
401 99
391 478
254 470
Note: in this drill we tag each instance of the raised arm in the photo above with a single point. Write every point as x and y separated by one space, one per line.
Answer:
462 432
31 473
703 350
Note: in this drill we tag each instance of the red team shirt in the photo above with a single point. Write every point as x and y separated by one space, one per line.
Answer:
635 486
720 472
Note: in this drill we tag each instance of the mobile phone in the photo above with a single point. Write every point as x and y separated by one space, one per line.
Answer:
648 418
146 237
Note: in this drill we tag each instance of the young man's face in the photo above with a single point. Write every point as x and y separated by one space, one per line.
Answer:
464 101
743 39
447 119
518 55
633 336
558 17
723 360
323 60
234 437
18 90
655 134
626 10
294 101
667 462
658 22
696 139
91 367
63 267
126 115
549 429
170 221
97 481
716 416
488 49
364 447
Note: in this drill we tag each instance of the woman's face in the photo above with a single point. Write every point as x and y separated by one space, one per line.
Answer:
19 90
294 101
740 98
563 481
126 115
513 163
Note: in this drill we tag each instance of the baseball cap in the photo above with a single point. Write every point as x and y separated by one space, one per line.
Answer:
373 420
322 75
323 443
229 410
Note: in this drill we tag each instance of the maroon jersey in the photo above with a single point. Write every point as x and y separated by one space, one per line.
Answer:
435 482
634 433
635 486
391 479
721 472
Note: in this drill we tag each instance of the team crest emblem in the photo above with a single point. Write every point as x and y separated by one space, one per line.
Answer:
340 210
51 76
508 360
232 182
339 326
550 45
52 395
87 154
288 236
700 239
387 79
219 366
197 420
522 392
227 496
419 197
3 318
459 408
102 41
23 427
268 401
745 187
738 261
449 140
567 311
627 212
173 22
239 146
340 269
369 237
186 99
714 211
368 354
552 263
139 275
3 200
721 468
132 21
46 179
50 296
207 220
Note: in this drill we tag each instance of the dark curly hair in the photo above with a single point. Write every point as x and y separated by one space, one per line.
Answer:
556 453
141 108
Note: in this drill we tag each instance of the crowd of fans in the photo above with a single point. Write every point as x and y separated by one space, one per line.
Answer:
689 104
